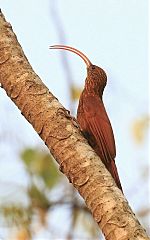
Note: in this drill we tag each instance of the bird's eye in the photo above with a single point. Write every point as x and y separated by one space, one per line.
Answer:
93 67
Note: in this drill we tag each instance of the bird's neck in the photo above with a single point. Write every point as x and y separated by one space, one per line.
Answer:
93 89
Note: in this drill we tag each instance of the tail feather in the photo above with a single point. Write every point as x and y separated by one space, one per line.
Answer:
113 170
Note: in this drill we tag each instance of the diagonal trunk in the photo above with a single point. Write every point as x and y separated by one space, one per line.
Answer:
77 160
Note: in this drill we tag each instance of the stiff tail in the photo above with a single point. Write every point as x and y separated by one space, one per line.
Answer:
113 170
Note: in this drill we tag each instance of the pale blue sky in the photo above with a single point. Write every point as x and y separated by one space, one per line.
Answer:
113 34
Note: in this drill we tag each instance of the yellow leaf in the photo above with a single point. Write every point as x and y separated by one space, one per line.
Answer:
23 234
75 93
139 129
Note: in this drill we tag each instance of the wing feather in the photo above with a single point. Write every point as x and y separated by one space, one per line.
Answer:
95 125
100 126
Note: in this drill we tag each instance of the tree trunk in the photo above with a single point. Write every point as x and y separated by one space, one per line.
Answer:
76 158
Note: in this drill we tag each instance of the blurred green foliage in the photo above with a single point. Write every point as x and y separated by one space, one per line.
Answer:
44 177
42 165
17 215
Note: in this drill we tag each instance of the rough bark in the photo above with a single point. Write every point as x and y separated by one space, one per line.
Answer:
77 159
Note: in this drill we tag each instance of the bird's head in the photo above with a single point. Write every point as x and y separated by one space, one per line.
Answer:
96 77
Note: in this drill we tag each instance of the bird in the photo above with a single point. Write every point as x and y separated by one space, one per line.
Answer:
92 117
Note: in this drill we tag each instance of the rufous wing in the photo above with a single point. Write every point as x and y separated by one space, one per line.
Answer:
99 126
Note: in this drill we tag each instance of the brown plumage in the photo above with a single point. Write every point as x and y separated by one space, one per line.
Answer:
92 117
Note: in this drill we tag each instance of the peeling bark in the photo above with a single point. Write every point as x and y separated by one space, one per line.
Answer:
76 158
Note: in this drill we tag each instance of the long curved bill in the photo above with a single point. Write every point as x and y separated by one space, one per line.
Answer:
74 50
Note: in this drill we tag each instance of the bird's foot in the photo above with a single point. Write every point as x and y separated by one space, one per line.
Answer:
66 113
